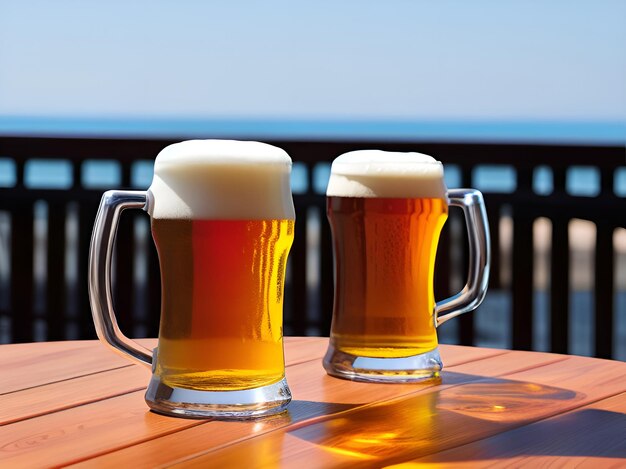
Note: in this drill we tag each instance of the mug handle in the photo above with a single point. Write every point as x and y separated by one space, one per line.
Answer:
100 254
473 293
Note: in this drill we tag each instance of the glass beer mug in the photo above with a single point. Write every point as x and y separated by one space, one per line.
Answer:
386 211
222 218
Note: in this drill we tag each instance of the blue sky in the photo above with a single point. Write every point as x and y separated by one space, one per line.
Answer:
351 60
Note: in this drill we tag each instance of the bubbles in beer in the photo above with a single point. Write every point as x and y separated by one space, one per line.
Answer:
222 219
221 180
383 174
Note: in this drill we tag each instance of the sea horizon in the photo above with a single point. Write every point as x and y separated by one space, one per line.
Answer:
58 174
609 132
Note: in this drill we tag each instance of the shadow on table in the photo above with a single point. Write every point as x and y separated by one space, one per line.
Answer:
303 410
477 408
583 433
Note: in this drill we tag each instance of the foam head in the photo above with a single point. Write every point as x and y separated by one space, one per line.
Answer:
221 180
384 174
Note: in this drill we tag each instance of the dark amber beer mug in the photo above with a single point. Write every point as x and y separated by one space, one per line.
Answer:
222 219
386 211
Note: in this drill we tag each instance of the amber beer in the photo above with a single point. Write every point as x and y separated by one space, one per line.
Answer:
223 224
386 211
385 255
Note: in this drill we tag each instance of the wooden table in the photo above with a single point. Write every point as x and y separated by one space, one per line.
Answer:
78 403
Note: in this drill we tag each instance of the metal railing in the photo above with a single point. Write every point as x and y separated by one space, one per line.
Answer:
46 232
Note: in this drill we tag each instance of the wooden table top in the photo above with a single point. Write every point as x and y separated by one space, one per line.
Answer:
77 403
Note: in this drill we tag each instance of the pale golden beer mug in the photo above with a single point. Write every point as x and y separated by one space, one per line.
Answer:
222 219
386 211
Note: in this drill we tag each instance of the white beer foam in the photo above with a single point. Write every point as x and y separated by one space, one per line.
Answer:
376 173
221 180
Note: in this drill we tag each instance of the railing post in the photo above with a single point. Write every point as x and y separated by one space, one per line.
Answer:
493 215
522 279
86 216
55 278
604 290
523 262
22 278
559 271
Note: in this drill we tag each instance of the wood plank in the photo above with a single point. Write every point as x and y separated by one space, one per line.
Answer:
70 393
315 385
454 355
291 339
62 436
81 390
89 430
428 422
303 350
27 365
312 403
598 378
502 362
36 364
57 438
316 395
195 440
590 436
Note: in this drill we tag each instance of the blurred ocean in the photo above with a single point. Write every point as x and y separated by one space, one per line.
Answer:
106 173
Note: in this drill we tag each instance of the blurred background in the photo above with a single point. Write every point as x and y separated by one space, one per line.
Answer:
523 100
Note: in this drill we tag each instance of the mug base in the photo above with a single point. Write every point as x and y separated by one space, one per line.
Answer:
233 405
382 370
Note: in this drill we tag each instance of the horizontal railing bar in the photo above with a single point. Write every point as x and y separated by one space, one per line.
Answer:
522 155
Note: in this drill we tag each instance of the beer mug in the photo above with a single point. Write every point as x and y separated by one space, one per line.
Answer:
386 211
222 219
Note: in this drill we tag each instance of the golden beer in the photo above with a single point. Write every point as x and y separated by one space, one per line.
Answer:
223 224
222 302
222 219
385 258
